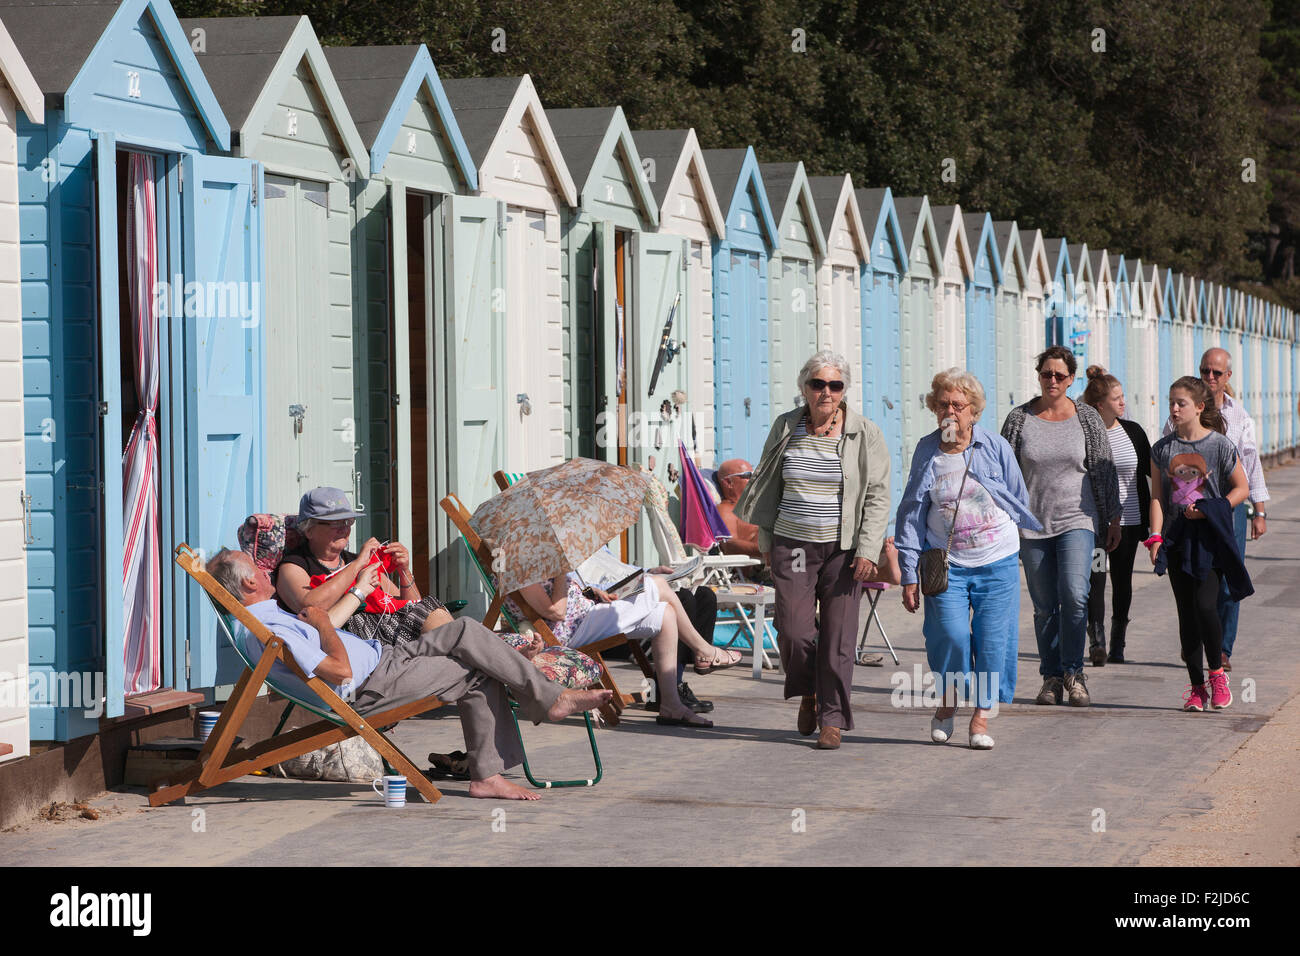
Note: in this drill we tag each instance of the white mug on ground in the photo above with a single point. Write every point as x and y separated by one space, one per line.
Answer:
207 720
394 789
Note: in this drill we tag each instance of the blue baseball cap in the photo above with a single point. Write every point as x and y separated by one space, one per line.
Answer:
326 504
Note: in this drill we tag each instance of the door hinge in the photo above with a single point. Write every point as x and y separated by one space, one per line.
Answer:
180 177
187 661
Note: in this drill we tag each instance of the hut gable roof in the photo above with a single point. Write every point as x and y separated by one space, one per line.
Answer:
787 189
833 197
952 233
673 153
1011 252
250 60
979 230
587 135
881 219
485 106
379 83
734 171
60 37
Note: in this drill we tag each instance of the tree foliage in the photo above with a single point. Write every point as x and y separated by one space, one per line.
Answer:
1133 125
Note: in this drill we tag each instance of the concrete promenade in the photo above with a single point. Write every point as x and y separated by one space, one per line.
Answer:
1131 779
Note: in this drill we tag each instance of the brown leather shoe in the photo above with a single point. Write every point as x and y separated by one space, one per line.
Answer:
808 716
829 739
1227 665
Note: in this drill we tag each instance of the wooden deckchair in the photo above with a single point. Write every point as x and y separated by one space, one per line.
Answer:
221 761
482 558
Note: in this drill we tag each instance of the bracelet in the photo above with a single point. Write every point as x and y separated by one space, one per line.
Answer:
357 593
407 584
1154 539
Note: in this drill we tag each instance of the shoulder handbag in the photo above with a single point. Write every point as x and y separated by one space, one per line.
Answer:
932 569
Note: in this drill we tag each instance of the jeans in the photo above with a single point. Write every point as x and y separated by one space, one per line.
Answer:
1228 608
1058 572
954 638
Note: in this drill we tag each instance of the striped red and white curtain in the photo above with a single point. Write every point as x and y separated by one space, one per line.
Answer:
141 560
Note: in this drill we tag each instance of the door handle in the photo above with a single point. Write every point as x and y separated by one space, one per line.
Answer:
525 405
747 407
297 413
888 404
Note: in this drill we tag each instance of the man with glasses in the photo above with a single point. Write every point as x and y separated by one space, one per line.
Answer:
1216 372
733 478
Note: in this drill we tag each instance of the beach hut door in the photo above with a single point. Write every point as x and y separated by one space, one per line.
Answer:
226 371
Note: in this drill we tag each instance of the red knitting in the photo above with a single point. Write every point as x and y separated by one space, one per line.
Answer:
378 601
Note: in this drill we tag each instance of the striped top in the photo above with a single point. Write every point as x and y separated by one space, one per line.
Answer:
1126 467
814 487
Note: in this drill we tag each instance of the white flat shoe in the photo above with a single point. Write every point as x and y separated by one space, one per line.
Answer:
981 742
941 730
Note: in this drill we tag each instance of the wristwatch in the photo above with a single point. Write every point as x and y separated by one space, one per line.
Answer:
1261 514
357 593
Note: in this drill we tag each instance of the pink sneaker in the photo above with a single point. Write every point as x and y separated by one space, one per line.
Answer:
1220 692
1196 698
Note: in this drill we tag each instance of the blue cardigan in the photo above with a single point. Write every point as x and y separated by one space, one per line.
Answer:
993 464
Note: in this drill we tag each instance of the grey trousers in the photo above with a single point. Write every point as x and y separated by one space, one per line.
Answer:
817 660
466 664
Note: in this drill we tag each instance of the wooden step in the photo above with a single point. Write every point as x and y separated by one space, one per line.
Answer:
156 701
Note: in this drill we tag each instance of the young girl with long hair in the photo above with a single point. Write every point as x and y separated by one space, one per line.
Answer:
1196 481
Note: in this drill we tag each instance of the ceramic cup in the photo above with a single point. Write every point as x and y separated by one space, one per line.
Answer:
393 789
207 720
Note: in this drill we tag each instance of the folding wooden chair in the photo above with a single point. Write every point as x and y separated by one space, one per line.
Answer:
221 761
482 559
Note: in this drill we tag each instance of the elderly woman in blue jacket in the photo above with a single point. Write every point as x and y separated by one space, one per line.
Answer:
965 492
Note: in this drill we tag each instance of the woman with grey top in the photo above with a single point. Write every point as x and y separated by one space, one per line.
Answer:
1065 457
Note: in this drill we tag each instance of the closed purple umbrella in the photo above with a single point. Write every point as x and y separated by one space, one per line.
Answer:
702 523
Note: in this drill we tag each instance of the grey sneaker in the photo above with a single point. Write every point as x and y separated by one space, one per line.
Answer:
1051 692
1077 688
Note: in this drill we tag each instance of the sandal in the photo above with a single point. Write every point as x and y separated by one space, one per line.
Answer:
452 766
713 665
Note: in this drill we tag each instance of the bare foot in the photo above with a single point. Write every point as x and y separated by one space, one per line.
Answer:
533 648
979 723
500 788
577 701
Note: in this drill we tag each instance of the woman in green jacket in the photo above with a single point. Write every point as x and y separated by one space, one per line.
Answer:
820 499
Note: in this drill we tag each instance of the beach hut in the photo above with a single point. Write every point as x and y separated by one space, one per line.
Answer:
272 79
1121 317
982 289
1293 388
1011 331
1184 317
689 211
521 167
418 438
839 288
792 287
142 337
1080 334
919 316
741 261
950 293
1060 302
1033 304
1143 360
1201 319
1270 394
1104 313
622 285
882 385
1168 307
18 91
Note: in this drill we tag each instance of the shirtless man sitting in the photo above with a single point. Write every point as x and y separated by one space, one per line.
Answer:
461 662
733 476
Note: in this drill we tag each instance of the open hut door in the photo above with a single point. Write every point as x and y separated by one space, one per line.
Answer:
225 366
659 421
475 386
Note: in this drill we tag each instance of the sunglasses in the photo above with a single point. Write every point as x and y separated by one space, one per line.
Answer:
1212 371
817 384
739 474
1054 376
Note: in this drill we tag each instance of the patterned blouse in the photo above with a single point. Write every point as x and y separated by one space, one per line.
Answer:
576 607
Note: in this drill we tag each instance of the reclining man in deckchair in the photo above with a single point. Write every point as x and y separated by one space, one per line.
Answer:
461 662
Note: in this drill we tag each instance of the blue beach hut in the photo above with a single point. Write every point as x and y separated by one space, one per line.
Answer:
1060 299
981 302
121 202
1012 332
1121 317
920 315
741 261
882 384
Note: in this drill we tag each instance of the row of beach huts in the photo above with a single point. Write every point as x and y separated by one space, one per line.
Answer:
367 276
